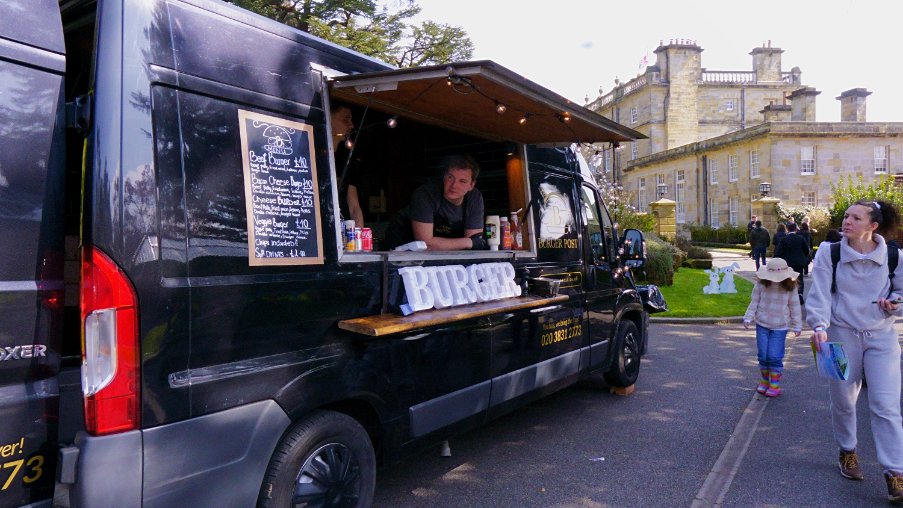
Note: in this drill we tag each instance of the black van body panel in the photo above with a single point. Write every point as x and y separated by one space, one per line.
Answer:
214 460
31 240
34 23
164 244
98 457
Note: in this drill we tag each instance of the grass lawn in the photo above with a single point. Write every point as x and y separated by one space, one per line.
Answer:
685 297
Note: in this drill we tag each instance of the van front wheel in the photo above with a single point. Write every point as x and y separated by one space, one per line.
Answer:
324 460
625 367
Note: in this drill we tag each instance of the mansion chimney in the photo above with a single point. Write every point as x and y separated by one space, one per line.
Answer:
852 105
680 64
767 63
776 112
803 104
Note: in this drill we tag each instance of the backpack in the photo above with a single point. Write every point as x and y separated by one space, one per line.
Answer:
893 256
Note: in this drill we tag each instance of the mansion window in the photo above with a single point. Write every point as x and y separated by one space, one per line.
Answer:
634 116
732 168
729 105
679 195
754 164
641 195
714 221
713 171
807 160
881 156
733 209
634 151
809 199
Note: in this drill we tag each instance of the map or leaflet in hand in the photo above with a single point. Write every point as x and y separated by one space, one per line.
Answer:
831 361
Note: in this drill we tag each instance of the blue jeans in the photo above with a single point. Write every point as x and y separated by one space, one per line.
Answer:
771 348
757 253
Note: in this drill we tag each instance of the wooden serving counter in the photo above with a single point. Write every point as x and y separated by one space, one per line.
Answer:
386 324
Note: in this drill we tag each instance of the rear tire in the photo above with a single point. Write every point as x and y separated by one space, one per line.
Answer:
326 459
625 367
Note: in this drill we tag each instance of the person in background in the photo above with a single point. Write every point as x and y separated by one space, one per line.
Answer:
759 239
779 235
775 310
807 235
795 251
342 124
860 314
445 213
805 221
832 236
749 228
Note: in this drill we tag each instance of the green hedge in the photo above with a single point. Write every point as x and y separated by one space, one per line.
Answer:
726 234
662 259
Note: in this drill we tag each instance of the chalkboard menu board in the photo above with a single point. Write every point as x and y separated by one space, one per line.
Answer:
281 193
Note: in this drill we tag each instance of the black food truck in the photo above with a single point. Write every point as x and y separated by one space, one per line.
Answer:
182 322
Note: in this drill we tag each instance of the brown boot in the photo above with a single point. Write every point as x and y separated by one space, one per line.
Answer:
849 465
894 481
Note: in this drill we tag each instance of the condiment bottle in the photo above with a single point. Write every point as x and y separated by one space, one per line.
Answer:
505 233
491 231
517 237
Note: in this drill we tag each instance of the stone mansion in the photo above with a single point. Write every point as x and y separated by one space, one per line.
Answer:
714 137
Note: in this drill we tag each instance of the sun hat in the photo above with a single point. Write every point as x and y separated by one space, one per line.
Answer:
776 270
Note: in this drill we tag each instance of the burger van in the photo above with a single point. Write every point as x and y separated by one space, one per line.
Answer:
182 322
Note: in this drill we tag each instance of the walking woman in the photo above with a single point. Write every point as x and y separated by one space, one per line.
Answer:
860 314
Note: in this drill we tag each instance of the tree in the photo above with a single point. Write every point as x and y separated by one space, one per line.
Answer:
434 43
847 193
377 28
617 200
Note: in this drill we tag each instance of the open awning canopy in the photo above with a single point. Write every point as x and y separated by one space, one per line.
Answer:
468 97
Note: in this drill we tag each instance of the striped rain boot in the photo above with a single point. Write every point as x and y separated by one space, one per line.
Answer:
774 384
762 387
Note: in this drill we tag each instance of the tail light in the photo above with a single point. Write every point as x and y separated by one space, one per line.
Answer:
110 375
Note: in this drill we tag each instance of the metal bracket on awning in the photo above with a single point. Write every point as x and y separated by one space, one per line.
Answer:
377 87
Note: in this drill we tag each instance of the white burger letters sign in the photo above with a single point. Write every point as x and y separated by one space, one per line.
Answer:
446 286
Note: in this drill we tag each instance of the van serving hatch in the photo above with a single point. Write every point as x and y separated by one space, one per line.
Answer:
480 98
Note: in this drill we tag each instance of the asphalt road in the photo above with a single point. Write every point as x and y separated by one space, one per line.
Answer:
681 438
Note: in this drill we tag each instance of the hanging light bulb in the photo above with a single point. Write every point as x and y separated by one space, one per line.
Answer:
349 144
565 117
523 119
392 122
500 108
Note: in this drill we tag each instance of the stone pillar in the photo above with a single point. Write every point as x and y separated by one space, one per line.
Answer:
766 210
802 103
767 63
852 105
665 213
680 64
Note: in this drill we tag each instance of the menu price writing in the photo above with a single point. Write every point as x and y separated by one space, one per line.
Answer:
281 192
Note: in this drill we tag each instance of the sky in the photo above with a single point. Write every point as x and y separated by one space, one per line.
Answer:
574 47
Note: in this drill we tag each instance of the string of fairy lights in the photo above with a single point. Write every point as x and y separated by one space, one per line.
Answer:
465 86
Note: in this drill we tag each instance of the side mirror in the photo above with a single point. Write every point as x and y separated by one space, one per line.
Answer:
633 245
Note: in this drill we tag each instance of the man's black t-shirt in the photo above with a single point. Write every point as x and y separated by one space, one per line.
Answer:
427 205
351 177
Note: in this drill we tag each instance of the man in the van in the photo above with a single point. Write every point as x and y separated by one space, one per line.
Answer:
445 213
342 124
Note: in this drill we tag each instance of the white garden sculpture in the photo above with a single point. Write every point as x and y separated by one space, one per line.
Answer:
712 288
727 279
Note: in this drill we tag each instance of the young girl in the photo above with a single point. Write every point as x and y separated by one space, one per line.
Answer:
775 308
